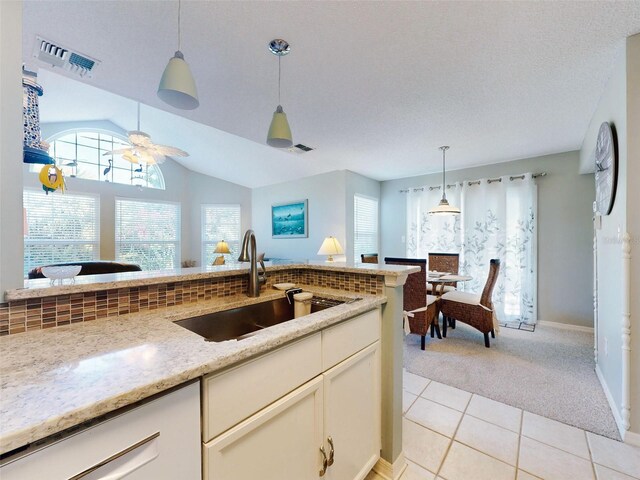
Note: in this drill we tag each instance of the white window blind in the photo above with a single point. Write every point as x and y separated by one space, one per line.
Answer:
365 221
60 228
220 222
148 233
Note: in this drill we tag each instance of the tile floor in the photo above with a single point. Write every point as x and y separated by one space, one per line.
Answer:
450 434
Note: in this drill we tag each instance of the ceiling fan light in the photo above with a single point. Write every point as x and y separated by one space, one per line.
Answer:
137 137
177 86
130 157
279 135
149 158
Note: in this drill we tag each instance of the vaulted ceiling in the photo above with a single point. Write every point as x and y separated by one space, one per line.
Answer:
374 87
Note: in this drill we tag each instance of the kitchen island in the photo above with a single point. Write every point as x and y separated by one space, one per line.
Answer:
59 378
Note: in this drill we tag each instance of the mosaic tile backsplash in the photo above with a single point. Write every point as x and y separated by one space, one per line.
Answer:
45 312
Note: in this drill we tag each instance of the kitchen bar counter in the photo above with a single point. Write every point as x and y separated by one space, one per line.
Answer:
91 283
57 378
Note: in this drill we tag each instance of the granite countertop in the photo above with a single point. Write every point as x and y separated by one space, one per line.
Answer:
41 287
54 379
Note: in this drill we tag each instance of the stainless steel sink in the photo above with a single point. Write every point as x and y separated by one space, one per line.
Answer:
242 322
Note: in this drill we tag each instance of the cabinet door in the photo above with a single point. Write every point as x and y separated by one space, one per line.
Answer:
352 414
281 441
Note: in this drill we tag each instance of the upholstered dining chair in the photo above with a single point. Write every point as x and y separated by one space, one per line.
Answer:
369 257
472 309
444 262
420 310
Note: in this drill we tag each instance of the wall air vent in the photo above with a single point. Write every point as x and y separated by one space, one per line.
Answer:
56 55
299 149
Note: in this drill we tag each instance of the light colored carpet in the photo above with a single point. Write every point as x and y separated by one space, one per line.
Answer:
549 372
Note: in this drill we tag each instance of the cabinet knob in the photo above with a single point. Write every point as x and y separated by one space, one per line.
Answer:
323 470
331 451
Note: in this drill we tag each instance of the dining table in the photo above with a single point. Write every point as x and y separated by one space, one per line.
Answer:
439 279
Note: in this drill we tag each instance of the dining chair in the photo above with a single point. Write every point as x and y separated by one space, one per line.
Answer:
369 257
420 310
472 309
444 262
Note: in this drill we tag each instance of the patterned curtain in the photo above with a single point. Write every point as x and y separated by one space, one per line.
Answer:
498 220
432 233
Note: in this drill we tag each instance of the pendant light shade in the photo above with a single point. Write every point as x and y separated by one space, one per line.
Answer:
177 86
279 135
279 131
443 208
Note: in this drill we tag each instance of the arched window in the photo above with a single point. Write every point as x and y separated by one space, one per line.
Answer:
81 154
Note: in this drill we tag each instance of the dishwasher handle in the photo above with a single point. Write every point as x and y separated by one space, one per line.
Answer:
124 462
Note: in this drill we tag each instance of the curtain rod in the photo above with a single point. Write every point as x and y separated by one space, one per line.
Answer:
476 182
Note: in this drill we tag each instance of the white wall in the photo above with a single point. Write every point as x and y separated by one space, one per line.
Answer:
11 238
326 208
620 105
633 218
611 108
330 200
564 229
360 185
201 189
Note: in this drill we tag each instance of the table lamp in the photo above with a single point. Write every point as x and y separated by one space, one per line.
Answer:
221 247
330 247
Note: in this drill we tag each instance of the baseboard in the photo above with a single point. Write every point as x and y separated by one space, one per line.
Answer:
631 438
390 471
612 404
566 326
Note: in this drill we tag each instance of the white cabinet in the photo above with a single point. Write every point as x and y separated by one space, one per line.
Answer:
282 441
238 393
333 417
159 439
352 414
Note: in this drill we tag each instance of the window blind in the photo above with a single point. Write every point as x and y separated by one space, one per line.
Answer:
60 228
365 221
220 222
148 233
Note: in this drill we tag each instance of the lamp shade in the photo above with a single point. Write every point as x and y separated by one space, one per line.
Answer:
279 135
222 247
177 86
443 208
330 246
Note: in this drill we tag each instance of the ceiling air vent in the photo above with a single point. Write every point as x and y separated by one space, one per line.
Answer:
57 55
303 147
299 149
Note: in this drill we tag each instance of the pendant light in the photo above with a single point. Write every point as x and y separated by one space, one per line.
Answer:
443 208
177 86
279 135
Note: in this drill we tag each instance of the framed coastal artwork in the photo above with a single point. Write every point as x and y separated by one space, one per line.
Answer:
290 220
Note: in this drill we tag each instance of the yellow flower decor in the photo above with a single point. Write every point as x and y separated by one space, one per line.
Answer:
51 178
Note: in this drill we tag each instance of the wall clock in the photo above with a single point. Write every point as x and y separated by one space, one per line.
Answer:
606 169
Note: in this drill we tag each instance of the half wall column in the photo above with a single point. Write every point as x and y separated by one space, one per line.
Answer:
392 462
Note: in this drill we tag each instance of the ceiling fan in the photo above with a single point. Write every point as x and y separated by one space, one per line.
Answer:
143 150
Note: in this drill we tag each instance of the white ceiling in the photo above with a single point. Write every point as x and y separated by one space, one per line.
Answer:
376 87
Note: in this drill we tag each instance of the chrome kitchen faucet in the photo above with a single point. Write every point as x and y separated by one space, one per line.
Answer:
246 255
